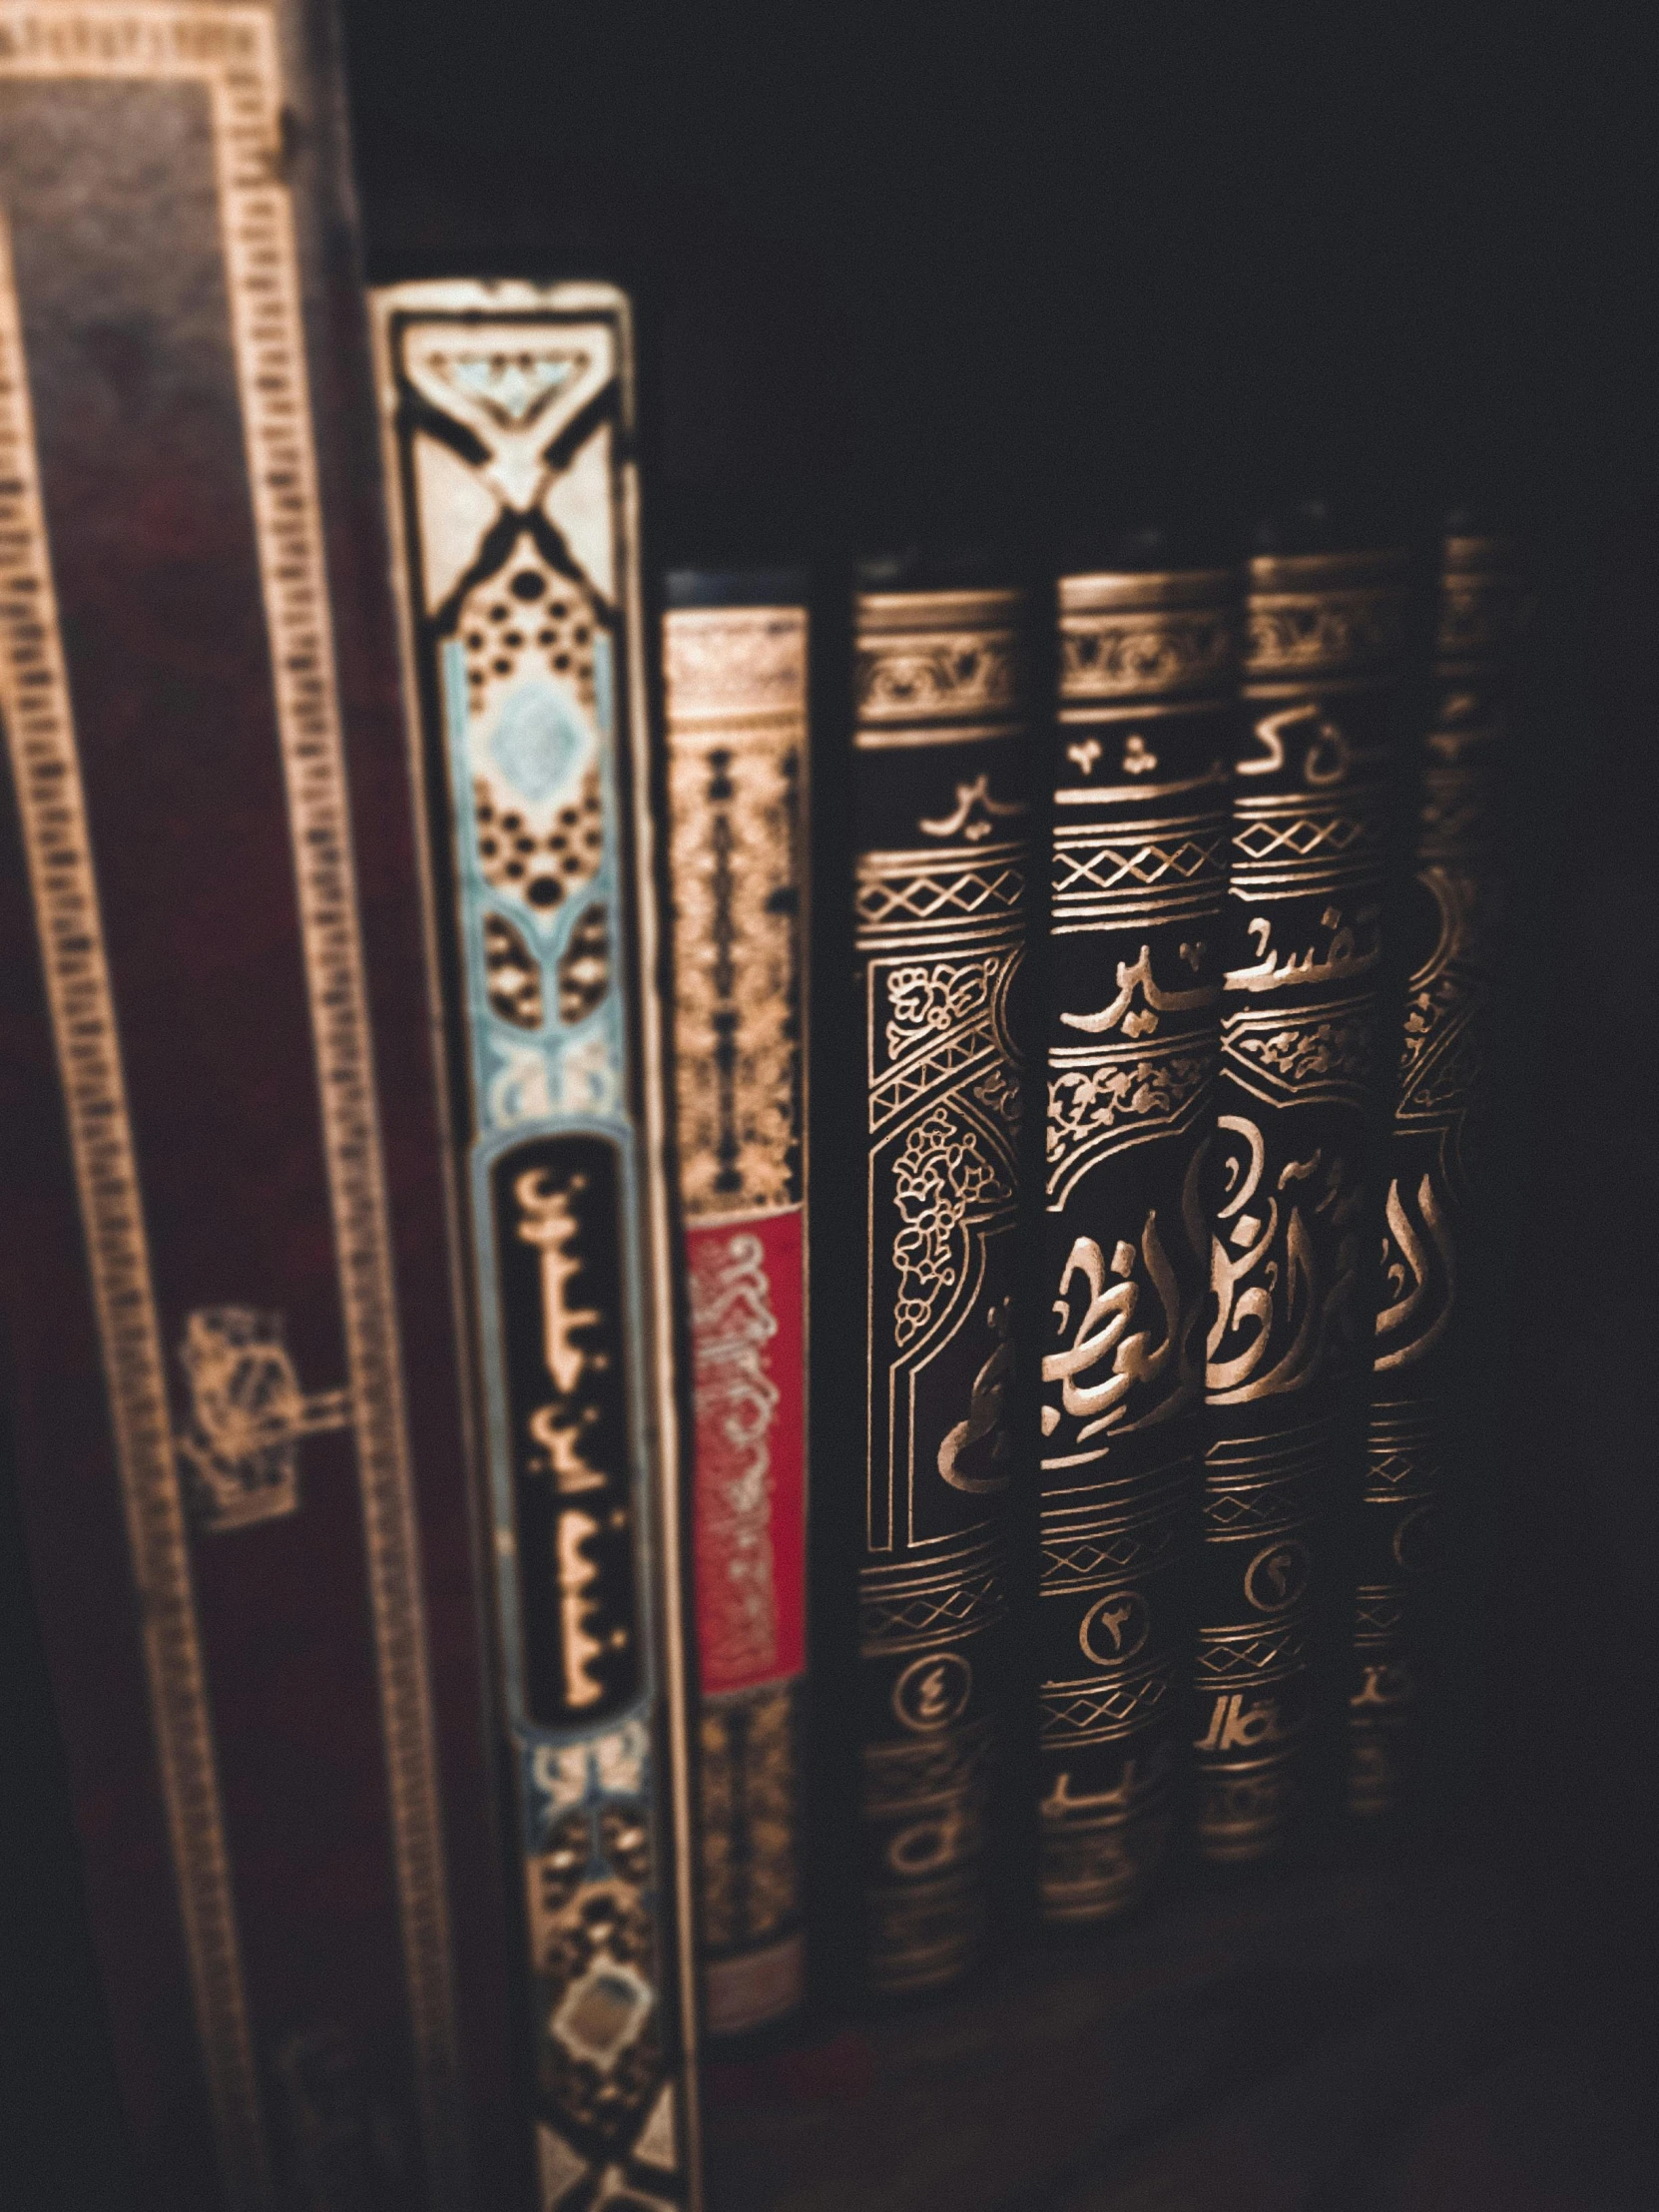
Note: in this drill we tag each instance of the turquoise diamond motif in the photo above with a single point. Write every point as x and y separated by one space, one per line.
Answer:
513 386
538 739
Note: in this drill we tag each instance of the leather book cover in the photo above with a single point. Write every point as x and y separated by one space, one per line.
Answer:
1328 685
1143 773
1449 926
509 419
230 1354
941 782
736 711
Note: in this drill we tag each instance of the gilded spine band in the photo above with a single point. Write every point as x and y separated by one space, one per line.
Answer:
1325 662
508 413
1143 767
942 814
736 691
1451 925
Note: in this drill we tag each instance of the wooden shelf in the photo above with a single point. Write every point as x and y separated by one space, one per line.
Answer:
1243 2050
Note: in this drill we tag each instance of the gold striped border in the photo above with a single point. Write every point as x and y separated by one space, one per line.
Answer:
919 614
232 51
40 735
1116 591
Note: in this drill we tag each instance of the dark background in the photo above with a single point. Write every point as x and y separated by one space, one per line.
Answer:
907 258
913 270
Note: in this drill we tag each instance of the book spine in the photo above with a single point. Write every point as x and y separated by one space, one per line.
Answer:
508 413
237 1405
942 801
1326 657
736 691
1149 691
1450 928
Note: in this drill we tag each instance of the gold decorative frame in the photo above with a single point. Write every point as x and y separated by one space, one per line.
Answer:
231 52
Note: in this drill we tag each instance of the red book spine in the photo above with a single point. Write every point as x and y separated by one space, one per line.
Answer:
736 689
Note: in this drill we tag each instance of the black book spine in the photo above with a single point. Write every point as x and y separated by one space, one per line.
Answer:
941 815
1143 767
1450 926
1326 666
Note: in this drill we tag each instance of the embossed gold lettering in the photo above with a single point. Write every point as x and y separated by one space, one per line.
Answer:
927 1846
549 1222
1409 1278
984 1415
1136 975
1387 1683
1237 1726
1102 1329
1267 1277
577 1575
561 1439
964 822
1346 954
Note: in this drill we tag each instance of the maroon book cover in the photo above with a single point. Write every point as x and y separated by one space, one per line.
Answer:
227 1305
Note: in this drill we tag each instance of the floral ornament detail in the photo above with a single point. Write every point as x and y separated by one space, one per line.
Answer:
938 997
941 1177
1088 1101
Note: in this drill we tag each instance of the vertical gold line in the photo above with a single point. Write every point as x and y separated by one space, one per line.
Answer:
40 733
664 1266
263 287
380 305
479 1520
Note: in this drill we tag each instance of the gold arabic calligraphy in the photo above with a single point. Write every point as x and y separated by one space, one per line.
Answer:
1415 1317
548 1220
984 1414
1161 1359
1285 1278
1136 976
1351 951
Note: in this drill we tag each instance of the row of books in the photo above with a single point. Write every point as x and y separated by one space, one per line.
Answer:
410 1302
1150 1172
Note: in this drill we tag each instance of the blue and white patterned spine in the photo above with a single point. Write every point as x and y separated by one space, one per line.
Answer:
508 418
